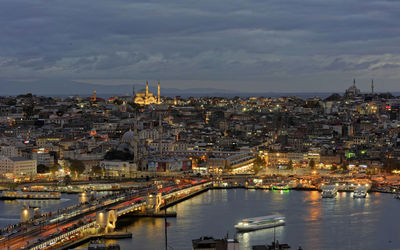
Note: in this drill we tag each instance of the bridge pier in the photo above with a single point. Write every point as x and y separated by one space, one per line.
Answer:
106 220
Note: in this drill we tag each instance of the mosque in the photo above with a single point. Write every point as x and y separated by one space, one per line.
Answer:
143 97
352 91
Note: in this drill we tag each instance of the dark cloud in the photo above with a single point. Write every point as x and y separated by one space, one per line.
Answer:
248 45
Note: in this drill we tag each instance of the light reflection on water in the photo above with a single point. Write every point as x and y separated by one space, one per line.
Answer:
10 209
311 222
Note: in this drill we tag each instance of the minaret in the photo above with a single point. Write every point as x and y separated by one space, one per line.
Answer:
159 90
354 82
372 86
135 142
160 131
94 95
147 88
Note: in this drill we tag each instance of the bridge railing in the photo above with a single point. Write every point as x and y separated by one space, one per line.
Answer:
54 240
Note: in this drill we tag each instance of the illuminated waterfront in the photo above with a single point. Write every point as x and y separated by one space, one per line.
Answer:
312 222
10 209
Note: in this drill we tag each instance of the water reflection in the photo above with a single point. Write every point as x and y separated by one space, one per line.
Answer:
311 222
10 209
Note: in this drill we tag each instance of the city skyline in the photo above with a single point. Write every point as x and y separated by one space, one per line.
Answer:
243 46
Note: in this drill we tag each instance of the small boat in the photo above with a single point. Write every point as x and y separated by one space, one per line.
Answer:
281 187
329 191
256 223
360 192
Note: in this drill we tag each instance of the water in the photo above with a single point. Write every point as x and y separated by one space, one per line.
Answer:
311 222
10 209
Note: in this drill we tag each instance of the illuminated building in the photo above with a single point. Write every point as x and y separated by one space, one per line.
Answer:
144 97
17 166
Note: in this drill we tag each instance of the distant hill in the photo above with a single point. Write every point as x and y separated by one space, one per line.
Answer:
69 88
64 88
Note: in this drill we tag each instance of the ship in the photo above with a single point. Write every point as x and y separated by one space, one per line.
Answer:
256 223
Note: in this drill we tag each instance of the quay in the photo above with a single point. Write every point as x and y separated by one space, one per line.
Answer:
89 238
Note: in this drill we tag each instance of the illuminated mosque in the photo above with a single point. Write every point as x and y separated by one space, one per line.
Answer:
143 97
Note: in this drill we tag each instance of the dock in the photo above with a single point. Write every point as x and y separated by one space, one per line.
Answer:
114 235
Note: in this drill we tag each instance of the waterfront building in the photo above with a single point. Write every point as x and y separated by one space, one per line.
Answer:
17 166
116 168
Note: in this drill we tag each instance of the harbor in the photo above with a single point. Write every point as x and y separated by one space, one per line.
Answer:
215 212
172 197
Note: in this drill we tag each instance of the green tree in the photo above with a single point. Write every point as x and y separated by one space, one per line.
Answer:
77 166
344 167
290 165
97 170
135 106
118 155
41 169
67 180
391 164
311 164
118 102
12 102
258 164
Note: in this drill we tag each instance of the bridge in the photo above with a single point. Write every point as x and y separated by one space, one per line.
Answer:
104 220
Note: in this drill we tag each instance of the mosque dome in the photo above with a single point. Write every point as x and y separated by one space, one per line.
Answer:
128 137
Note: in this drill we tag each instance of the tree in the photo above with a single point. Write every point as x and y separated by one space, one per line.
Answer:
334 97
135 106
77 166
53 168
290 165
12 102
258 164
41 169
391 164
97 170
344 167
118 155
333 168
311 164
118 101
67 179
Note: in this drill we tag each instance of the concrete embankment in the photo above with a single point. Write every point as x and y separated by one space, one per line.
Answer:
115 235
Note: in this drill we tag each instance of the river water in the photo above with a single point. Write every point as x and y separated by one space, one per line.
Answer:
10 209
311 222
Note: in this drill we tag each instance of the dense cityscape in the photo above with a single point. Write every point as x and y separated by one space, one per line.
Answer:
203 125
145 149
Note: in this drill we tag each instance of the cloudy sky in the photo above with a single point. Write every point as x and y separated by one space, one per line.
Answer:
245 45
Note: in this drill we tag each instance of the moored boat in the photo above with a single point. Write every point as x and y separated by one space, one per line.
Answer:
256 223
360 192
13 195
329 191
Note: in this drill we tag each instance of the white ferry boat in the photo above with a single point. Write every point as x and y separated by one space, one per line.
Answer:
360 192
250 224
329 191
